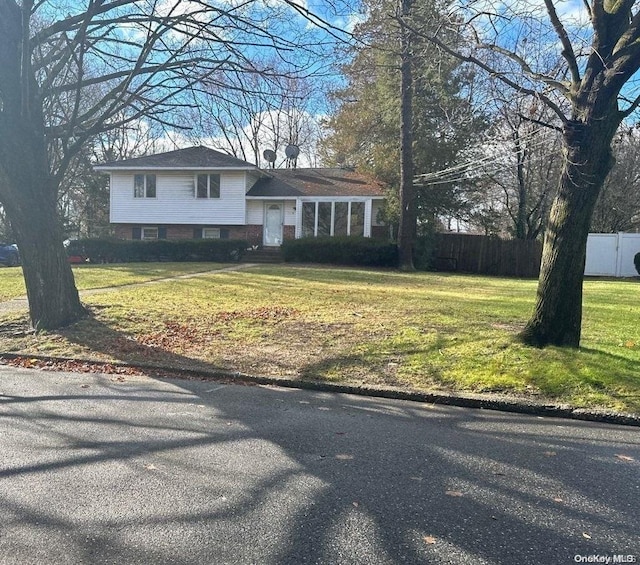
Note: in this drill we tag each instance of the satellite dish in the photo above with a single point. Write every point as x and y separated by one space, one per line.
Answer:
269 156
292 151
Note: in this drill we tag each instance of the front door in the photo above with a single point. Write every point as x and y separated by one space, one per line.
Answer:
273 220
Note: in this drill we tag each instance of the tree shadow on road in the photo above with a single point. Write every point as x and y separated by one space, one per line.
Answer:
229 474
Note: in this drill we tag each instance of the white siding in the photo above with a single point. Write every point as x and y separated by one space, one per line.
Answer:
255 212
175 202
290 213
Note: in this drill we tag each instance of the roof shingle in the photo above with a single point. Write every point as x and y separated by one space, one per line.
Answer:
189 158
315 182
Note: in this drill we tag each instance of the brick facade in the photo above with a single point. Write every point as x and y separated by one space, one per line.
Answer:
125 231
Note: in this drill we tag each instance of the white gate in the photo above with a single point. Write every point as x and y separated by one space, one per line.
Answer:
611 254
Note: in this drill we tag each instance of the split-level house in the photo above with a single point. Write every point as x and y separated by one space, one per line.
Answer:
201 193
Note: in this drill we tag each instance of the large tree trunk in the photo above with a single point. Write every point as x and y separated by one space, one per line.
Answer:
53 298
28 192
408 208
29 197
557 316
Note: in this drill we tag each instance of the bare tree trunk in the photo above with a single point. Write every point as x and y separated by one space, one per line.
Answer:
521 217
28 192
557 316
408 212
53 297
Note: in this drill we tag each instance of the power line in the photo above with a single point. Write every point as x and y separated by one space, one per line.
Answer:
439 178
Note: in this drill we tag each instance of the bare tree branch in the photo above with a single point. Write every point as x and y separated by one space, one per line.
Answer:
567 47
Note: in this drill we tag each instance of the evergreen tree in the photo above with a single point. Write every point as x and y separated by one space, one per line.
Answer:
363 131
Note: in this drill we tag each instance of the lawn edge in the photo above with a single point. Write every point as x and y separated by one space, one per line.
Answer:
464 400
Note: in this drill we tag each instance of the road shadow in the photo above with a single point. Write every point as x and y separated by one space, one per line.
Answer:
269 475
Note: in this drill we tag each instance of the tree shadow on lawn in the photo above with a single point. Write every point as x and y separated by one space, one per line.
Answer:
379 366
379 482
280 476
595 371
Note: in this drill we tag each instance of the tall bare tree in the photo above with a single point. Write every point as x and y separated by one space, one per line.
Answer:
70 71
266 109
523 173
618 206
581 64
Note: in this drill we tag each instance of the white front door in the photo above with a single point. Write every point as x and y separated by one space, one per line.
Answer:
273 220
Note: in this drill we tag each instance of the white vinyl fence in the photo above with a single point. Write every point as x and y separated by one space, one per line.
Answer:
611 254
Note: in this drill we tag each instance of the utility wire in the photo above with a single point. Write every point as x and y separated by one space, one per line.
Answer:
488 159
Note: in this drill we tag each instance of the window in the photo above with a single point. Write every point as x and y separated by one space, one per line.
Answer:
324 219
341 221
149 233
208 186
144 186
308 219
357 218
332 218
210 233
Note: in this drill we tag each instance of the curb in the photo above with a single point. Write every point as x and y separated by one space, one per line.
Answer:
476 401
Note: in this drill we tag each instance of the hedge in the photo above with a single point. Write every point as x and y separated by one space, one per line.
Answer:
636 262
345 250
130 251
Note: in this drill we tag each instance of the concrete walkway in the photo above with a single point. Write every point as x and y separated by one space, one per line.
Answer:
21 303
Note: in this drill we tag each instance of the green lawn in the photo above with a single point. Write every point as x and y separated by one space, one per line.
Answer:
422 331
99 276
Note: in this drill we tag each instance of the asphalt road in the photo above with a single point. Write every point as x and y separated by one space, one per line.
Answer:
96 469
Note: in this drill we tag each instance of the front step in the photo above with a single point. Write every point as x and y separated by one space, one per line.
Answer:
264 255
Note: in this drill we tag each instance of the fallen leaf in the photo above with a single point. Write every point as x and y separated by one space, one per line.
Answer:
624 457
453 493
430 540
150 467
355 504
557 499
549 453
586 535
630 344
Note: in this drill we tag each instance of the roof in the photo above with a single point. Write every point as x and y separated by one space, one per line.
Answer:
315 182
190 158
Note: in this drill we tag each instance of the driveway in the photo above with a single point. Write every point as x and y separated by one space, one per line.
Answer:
104 469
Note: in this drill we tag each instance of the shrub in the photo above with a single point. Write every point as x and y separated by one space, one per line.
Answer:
636 262
344 250
130 251
424 251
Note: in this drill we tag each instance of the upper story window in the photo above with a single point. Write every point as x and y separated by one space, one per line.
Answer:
208 186
144 186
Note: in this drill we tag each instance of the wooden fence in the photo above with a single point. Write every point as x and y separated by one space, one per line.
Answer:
487 255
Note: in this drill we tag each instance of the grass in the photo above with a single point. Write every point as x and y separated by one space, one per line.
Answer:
100 276
421 331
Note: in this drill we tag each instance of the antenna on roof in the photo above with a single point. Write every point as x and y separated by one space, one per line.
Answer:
292 151
269 156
